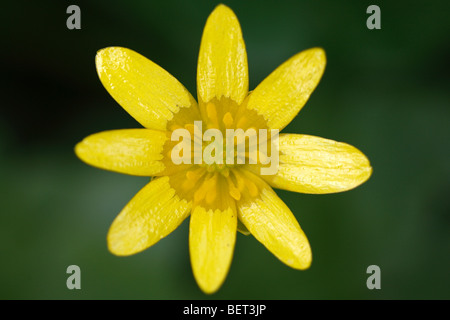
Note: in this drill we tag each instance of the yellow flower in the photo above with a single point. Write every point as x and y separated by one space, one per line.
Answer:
220 198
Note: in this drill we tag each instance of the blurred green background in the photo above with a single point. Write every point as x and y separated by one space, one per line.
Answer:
384 91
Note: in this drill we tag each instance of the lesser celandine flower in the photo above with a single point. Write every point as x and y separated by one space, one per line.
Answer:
220 198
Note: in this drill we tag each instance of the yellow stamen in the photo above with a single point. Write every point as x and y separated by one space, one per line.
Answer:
195 174
192 176
211 186
234 192
200 193
190 127
211 195
188 185
252 188
241 122
174 127
211 112
240 181
228 120
225 172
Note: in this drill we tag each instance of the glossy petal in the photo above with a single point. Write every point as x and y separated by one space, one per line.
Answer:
153 213
222 63
271 222
212 236
145 90
311 164
130 151
285 91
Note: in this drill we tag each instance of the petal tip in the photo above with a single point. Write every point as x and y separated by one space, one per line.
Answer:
108 50
306 262
79 149
208 288
208 284
110 55
114 250
100 54
319 55
222 12
117 245
300 260
369 172
319 51
101 51
113 245
222 8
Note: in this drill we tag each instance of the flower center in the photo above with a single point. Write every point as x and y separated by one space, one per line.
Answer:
220 142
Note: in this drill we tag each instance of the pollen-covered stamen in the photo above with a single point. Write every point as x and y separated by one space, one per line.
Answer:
242 122
252 188
190 127
195 134
232 190
245 185
195 174
240 181
174 127
228 120
216 156
208 183
225 171
192 177
211 112
211 193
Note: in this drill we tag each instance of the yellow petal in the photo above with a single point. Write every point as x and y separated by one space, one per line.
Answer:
222 62
311 164
271 222
145 90
212 236
153 213
285 91
131 151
